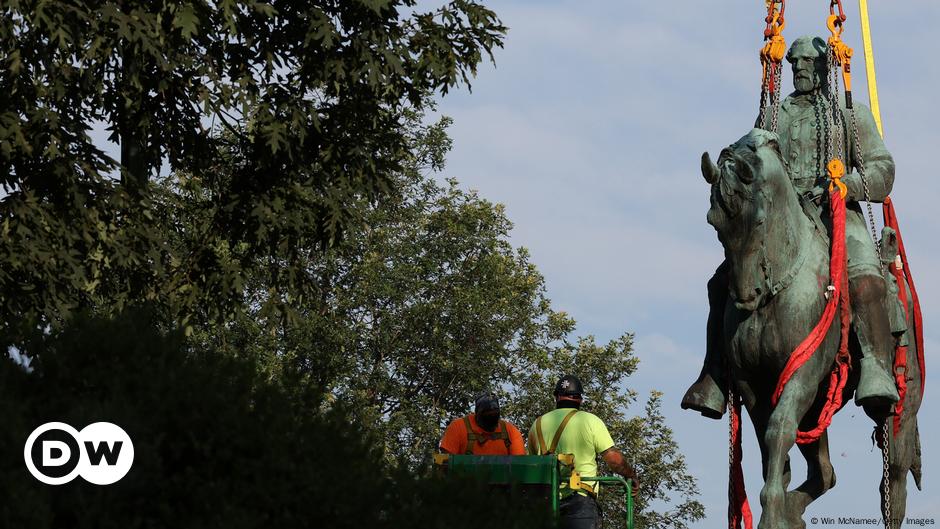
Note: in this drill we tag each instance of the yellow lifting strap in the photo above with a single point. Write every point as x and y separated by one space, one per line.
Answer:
870 65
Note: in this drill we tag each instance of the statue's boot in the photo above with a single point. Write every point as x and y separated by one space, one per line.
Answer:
876 391
708 394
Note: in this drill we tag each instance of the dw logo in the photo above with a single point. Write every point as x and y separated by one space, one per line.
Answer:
102 453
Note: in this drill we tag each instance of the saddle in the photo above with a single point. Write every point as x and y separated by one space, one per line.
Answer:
897 317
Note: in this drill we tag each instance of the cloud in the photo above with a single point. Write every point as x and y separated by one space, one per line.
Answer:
590 129
661 356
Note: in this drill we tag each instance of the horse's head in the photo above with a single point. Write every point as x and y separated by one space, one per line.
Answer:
749 176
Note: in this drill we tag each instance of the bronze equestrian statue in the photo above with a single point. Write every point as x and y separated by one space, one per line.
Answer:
767 206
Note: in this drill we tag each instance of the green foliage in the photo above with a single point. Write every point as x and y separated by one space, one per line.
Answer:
311 95
338 306
427 280
664 471
668 491
425 304
217 444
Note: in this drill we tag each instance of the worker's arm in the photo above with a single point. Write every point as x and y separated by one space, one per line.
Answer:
616 462
455 438
517 446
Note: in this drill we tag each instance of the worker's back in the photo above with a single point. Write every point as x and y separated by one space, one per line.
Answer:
584 435
466 436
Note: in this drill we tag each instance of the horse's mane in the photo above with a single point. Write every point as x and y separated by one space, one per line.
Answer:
741 158
744 156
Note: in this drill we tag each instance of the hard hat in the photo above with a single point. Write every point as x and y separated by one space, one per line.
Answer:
568 386
486 401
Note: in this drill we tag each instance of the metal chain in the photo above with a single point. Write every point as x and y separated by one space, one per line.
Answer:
730 449
775 111
837 126
859 156
838 121
821 134
730 428
771 55
861 172
885 483
770 100
824 122
762 115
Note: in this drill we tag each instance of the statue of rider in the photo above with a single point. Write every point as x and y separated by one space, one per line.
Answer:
802 130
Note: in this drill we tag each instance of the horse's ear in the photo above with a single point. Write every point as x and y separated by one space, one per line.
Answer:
744 171
773 143
709 169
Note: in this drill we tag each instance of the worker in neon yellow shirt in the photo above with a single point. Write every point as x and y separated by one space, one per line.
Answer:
567 430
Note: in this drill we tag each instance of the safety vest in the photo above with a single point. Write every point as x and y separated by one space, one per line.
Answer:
582 486
556 438
502 432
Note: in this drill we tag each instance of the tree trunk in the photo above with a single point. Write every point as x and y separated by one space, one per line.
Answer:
135 167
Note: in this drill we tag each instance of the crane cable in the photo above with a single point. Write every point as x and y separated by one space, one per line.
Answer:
902 273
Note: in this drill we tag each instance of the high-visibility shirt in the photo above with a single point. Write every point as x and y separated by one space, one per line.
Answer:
584 436
506 440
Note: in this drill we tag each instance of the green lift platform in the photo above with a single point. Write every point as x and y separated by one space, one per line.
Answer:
538 478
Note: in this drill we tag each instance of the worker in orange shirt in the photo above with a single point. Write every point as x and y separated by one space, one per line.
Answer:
483 432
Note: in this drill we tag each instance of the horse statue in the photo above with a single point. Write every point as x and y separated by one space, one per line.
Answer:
771 237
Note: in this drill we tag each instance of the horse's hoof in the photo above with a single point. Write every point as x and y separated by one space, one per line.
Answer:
705 397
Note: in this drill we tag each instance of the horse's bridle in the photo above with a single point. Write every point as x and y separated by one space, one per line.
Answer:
776 286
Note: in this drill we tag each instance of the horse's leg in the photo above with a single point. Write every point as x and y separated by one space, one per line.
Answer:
900 462
758 410
759 430
780 438
820 476
904 453
900 452
760 416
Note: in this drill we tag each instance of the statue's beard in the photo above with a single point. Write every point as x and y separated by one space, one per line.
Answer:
805 84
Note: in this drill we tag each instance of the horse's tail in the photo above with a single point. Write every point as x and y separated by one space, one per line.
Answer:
915 463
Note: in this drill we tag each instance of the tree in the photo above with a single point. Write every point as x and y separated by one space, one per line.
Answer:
310 93
298 217
217 444
667 493
427 304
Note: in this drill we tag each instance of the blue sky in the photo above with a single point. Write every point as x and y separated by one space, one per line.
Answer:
589 129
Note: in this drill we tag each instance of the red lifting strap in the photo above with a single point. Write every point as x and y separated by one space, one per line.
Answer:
838 298
900 351
738 507
900 355
891 220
